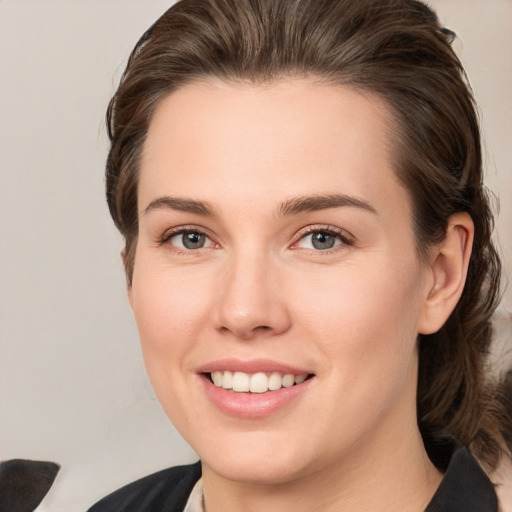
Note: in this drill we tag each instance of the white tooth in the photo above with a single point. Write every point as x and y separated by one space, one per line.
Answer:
258 383
275 381
227 380
240 382
300 378
288 380
217 378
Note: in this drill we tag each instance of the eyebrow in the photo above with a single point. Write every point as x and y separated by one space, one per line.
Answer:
313 203
180 204
293 206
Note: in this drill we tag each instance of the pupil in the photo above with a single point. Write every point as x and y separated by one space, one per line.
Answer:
322 240
193 240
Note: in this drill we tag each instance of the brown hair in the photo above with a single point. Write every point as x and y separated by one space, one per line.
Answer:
397 50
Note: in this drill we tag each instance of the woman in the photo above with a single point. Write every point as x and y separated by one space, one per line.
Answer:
308 257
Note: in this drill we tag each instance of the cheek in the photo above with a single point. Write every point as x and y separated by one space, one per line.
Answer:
169 308
167 314
364 315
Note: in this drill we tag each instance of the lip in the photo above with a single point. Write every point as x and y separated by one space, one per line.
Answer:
252 405
252 366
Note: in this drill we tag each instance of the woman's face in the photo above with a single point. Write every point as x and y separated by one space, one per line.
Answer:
276 245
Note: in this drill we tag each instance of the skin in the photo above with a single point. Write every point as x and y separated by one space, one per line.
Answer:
258 289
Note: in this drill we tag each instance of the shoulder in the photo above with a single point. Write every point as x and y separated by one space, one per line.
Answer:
168 489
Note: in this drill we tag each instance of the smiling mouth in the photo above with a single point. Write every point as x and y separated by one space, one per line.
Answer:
260 382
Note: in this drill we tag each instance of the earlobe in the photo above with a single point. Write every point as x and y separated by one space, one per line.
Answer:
449 266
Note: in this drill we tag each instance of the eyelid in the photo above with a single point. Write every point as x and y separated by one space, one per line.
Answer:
178 230
346 238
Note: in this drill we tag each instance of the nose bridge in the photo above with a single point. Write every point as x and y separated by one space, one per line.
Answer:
249 303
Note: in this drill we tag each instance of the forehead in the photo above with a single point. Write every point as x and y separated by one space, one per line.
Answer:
296 136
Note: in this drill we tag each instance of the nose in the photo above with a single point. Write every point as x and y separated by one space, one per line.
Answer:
250 301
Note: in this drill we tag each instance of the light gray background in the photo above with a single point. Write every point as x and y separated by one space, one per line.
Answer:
72 383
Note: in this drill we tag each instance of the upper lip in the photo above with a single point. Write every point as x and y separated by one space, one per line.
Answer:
251 366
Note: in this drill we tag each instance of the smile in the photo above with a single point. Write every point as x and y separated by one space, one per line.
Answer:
254 389
260 382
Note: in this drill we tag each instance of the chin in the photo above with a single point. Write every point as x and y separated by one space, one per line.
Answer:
257 461
256 472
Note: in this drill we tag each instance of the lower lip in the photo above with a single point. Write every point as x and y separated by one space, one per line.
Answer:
253 405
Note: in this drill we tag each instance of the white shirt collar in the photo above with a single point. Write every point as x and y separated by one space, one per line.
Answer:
195 500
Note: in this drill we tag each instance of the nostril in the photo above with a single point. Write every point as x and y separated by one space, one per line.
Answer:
246 333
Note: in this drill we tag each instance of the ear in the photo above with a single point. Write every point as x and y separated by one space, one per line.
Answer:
449 263
128 284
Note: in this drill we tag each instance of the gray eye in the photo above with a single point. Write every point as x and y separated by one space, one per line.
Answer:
322 240
190 240
193 240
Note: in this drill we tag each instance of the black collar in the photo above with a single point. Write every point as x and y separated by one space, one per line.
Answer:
465 487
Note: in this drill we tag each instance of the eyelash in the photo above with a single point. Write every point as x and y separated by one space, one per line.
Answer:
183 230
345 238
